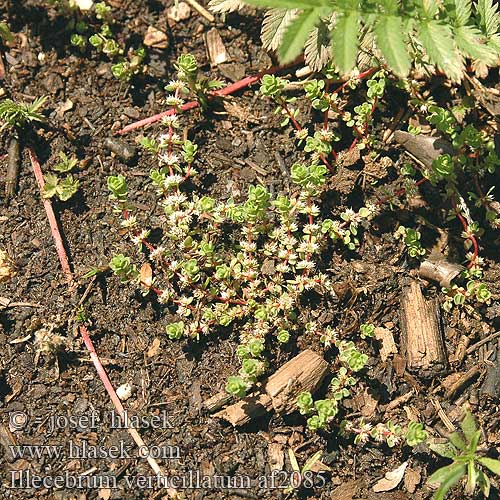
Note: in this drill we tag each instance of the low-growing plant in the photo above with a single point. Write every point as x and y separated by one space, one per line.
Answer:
467 462
189 81
17 115
62 188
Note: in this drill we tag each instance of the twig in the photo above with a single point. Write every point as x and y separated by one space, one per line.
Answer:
12 167
472 348
230 89
172 493
54 227
201 10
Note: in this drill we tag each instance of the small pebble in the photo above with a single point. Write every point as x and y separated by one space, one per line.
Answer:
123 150
124 391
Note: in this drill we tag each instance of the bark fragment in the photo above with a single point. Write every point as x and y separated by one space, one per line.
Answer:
421 334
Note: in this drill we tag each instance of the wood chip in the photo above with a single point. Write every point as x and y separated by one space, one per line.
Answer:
365 403
155 38
391 479
276 457
146 275
215 47
346 491
64 107
388 346
437 268
153 348
420 330
179 12
412 479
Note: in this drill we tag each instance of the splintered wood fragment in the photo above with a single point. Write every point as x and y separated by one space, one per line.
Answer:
440 270
491 384
12 168
421 334
462 381
305 372
217 401
425 149
8 442
276 458
215 47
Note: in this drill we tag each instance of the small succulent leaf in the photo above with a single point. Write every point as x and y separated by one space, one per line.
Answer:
50 186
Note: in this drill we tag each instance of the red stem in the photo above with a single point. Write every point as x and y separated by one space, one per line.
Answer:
54 227
471 236
230 89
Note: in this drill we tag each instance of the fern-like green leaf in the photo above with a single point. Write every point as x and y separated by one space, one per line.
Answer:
390 40
438 42
317 51
488 17
345 40
463 9
468 39
297 33
274 26
222 6
288 4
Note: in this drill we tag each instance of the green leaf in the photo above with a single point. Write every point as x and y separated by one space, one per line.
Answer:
389 34
317 50
446 477
446 450
468 40
310 463
438 42
484 483
490 463
274 26
345 40
50 186
468 426
5 32
457 441
67 188
462 12
489 18
222 6
297 33
288 4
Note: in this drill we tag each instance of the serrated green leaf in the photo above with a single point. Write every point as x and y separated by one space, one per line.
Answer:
317 50
297 33
468 39
345 40
446 477
438 42
223 6
288 4
390 40
490 463
274 26
463 10
488 16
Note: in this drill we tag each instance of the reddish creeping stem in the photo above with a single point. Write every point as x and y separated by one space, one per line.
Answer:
54 227
230 89
466 230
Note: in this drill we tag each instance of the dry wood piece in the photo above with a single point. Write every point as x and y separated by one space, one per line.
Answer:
425 149
215 47
12 168
437 268
465 379
217 401
305 372
421 334
491 384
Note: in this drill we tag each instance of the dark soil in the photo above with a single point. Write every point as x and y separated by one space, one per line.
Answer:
174 380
